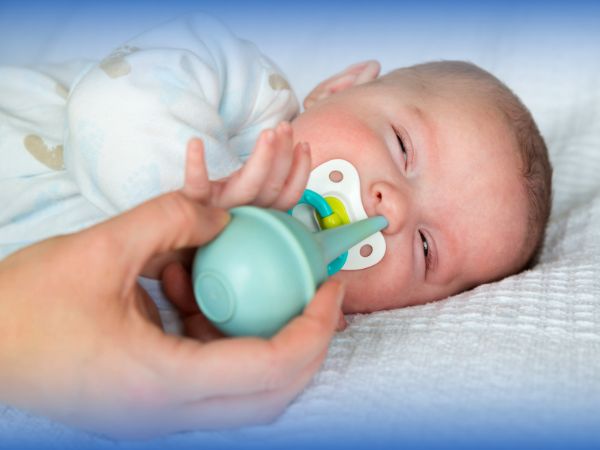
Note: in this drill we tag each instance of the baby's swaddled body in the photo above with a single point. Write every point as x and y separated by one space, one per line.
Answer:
85 141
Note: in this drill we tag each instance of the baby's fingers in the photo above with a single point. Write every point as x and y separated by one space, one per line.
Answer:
281 163
245 185
197 185
297 179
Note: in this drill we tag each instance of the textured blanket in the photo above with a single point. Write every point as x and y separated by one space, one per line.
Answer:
515 358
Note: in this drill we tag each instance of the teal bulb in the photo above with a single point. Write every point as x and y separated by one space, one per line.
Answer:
260 272
264 268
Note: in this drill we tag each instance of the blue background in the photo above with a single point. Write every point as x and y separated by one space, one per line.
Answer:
23 22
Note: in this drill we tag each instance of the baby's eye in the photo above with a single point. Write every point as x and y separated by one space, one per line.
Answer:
404 149
425 250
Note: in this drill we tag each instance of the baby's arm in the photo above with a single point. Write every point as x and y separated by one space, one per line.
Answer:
274 176
131 115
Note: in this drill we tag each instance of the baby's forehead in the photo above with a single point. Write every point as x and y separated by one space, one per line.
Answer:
443 84
468 106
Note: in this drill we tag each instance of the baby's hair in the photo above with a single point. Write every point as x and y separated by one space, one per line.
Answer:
536 167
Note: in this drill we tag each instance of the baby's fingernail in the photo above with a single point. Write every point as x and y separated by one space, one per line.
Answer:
305 147
270 136
285 127
359 65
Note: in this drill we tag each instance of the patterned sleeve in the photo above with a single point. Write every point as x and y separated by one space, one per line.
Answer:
130 116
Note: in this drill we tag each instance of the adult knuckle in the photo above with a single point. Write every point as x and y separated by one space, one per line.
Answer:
180 209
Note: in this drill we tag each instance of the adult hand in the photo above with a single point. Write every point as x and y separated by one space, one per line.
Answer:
81 342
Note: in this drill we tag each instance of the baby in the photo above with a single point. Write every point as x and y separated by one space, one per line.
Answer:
443 150
454 161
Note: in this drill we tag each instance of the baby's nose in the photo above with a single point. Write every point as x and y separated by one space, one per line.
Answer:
393 204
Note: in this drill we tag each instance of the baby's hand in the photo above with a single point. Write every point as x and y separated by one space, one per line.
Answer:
274 176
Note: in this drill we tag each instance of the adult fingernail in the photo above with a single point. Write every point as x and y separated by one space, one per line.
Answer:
221 216
270 136
339 295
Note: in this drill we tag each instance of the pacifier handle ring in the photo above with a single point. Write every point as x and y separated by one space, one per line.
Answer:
317 201
320 205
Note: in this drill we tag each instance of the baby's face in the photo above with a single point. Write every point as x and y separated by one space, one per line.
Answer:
451 191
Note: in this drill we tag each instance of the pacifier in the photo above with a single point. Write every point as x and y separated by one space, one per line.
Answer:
337 182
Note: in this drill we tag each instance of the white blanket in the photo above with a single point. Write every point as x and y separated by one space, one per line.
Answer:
519 358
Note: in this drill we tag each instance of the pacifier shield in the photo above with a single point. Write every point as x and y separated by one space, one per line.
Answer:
337 180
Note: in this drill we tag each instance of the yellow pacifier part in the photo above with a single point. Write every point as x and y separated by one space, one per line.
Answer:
339 216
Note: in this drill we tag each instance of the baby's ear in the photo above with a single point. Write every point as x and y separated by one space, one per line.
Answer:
352 76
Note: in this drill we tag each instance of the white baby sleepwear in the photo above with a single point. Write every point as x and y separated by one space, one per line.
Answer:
82 141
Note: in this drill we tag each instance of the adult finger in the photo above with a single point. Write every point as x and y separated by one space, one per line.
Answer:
177 286
251 365
156 265
197 326
169 222
243 410
197 185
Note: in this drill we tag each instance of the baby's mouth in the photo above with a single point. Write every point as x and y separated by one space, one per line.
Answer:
338 183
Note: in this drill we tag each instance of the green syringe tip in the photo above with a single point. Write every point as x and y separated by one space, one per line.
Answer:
336 241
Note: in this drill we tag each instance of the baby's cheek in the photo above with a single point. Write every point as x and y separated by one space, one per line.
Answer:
376 288
335 135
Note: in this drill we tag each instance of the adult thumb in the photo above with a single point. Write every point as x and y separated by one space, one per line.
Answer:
166 223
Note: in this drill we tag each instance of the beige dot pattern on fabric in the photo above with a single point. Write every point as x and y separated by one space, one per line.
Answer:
61 90
115 65
277 82
50 157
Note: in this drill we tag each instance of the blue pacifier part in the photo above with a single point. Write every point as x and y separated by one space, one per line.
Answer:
317 201
320 205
